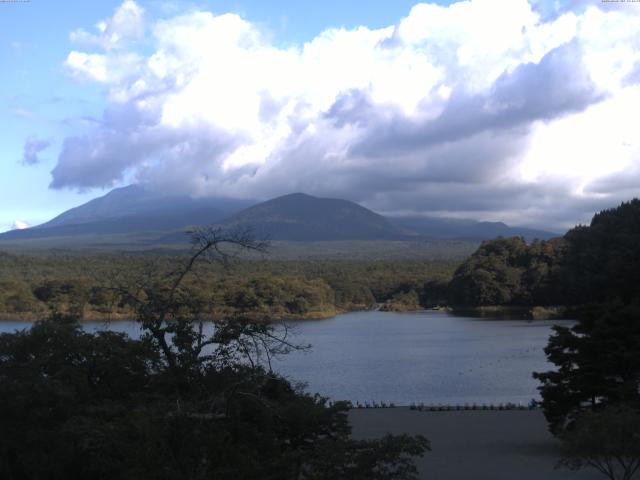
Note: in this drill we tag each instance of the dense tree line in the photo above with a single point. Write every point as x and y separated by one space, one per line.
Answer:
508 271
32 286
595 263
592 398
602 261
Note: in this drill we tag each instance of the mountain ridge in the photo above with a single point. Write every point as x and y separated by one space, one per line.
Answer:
302 217
137 212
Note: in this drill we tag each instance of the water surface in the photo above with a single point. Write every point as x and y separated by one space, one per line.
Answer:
430 357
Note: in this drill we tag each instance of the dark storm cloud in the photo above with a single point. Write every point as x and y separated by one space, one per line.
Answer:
548 205
126 139
625 183
556 86
33 146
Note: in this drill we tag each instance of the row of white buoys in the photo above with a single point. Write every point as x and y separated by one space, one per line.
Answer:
448 408
445 407
372 404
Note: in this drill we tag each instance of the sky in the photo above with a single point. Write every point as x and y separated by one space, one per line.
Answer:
519 111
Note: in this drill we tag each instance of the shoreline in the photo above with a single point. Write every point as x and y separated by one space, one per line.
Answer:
30 317
529 312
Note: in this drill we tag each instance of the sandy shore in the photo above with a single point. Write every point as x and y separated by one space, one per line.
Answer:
474 445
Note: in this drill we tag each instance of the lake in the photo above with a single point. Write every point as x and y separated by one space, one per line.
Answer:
430 357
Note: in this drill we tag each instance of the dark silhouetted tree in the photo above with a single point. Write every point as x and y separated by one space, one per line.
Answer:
597 364
607 440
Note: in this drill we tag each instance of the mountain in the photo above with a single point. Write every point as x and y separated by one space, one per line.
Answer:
453 228
300 217
132 210
138 217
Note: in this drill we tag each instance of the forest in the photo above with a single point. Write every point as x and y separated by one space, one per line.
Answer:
31 286
598 263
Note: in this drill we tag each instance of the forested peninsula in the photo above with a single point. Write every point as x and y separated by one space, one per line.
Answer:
598 263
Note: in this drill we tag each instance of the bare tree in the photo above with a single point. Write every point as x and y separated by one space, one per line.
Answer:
179 322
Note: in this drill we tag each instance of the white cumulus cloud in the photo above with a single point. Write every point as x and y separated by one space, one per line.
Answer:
483 107
126 24
19 225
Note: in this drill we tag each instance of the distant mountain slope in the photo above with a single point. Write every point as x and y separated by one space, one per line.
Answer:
134 210
451 228
149 207
137 216
301 217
